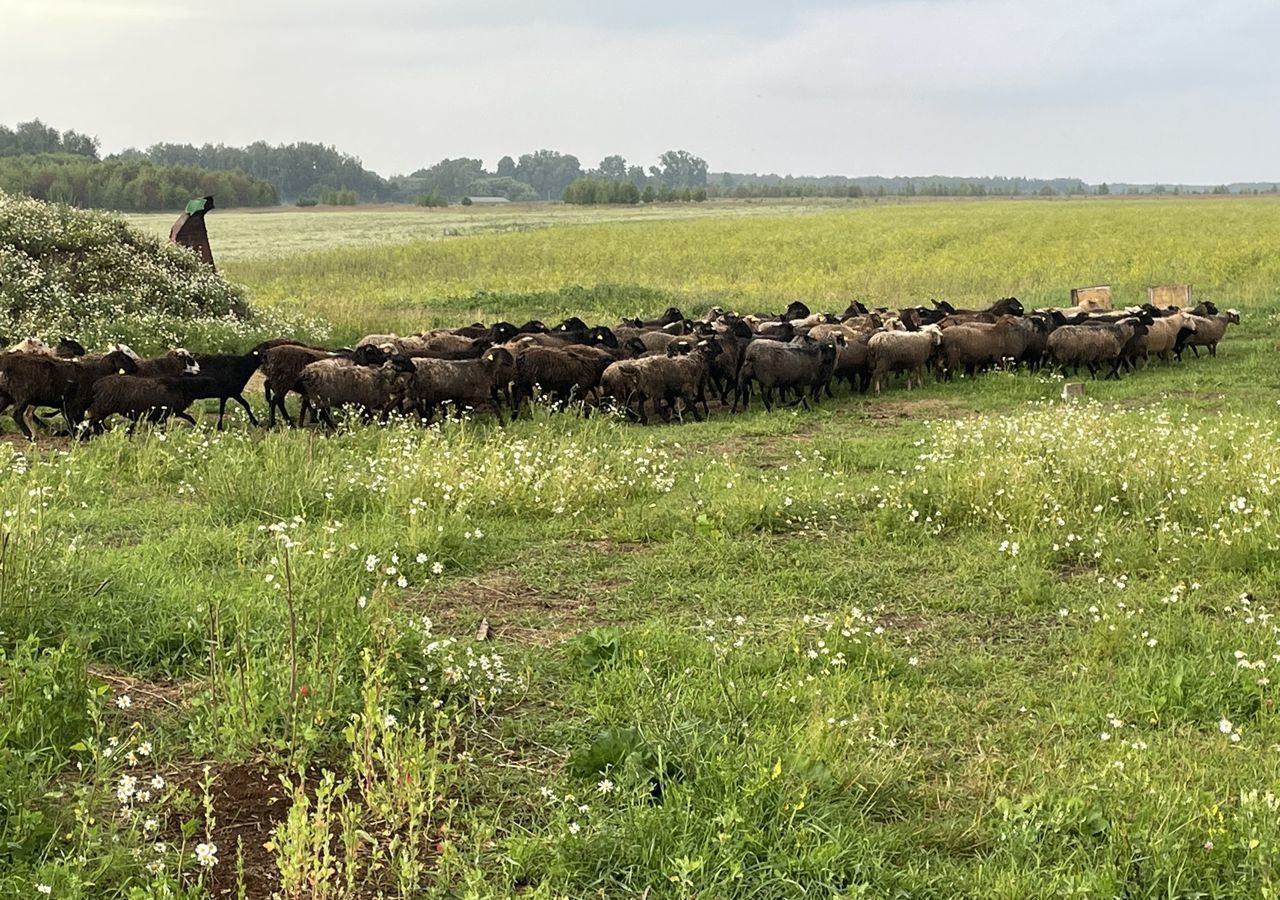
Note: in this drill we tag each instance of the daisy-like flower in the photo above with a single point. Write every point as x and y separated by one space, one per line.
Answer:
124 701
437 568
1225 726
207 855
605 786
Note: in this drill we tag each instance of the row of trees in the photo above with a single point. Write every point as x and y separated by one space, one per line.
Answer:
296 170
547 175
133 186
34 137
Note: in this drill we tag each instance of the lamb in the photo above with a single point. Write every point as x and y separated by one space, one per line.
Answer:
338 381
903 351
1092 345
134 396
469 382
29 379
1208 331
662 380
802 363
282 367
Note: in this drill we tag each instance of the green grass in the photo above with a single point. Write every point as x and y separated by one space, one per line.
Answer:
974 252
969 641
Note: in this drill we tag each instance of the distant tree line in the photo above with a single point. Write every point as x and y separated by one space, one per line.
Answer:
308 174
548 175
296 170
127 185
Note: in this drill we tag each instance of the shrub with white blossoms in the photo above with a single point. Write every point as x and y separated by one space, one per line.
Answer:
92 275
450 671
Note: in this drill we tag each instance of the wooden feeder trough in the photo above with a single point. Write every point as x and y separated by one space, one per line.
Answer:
1165 295
1092 299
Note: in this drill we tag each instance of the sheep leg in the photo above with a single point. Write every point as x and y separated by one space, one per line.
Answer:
248 410
766 394
186 418
20 417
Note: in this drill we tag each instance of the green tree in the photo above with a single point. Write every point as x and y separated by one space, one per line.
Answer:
680 169
548 172
506 168
613 168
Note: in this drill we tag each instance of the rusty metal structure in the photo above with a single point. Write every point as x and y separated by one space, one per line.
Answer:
189 231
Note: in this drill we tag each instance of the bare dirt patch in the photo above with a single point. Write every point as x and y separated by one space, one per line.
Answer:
514 609
249 800
891 410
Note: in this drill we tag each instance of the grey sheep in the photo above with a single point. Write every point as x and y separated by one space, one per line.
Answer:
903 351
282 367
798 365
1091 346
338 381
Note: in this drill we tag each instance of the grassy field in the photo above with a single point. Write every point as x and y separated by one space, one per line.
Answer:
268 234
969 641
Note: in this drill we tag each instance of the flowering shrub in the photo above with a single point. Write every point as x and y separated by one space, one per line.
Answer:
91 275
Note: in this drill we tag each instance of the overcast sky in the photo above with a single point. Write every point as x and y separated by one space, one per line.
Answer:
1106 90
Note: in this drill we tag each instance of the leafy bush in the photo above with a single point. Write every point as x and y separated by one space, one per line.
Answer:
92 275
339 198
306 201
591 191
430 200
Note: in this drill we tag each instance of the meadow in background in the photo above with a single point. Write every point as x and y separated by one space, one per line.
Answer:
970 640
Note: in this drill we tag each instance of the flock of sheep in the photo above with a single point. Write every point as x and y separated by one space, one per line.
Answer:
665 365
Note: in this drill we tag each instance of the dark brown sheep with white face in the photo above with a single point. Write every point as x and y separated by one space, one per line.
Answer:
28 380
171 365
